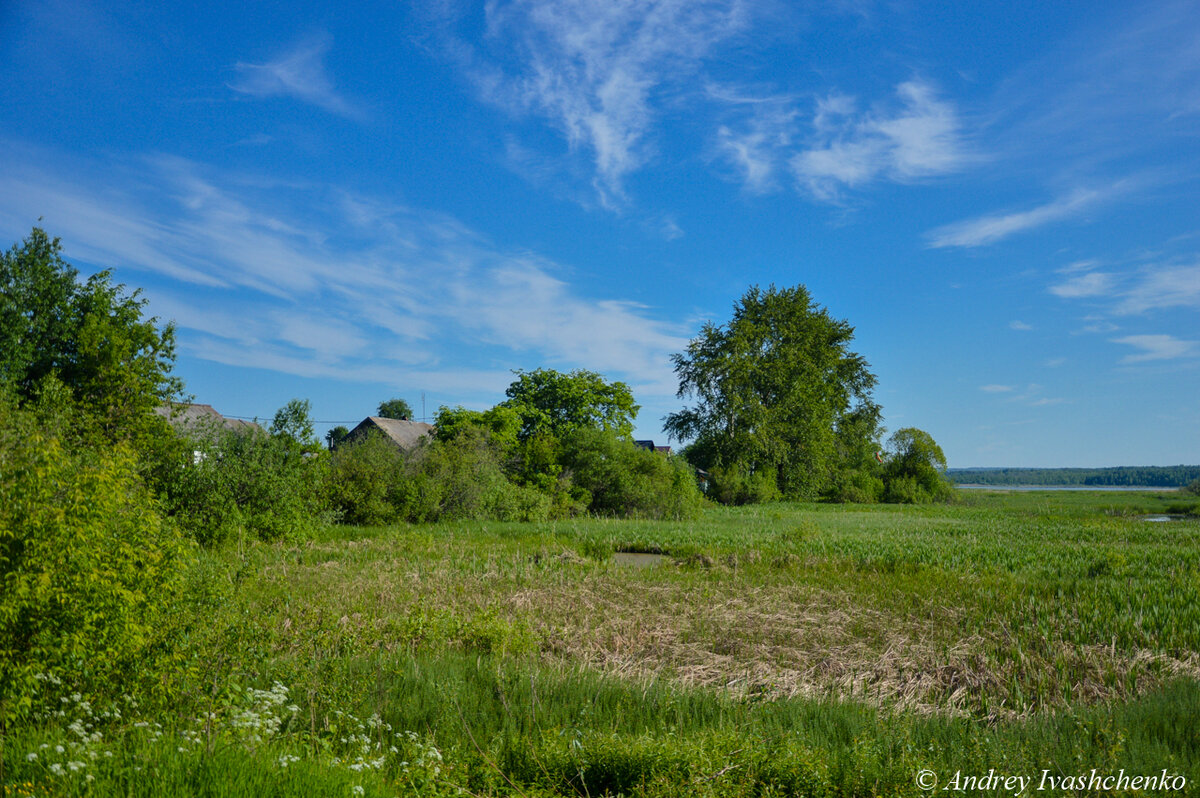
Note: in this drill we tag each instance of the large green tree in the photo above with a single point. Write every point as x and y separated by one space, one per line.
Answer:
552 403
87 336
781 400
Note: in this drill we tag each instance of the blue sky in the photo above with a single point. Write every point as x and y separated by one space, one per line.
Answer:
415 199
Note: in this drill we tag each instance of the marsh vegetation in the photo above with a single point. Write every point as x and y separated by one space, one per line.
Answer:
780 649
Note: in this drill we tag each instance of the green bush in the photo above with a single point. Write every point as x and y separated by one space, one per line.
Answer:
87 564
857 486
366 480
915 471
249 482
618 478
465 478
736 485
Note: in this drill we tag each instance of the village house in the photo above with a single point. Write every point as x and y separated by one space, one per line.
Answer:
405 434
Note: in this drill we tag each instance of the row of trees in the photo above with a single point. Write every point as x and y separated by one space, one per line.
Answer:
1119 476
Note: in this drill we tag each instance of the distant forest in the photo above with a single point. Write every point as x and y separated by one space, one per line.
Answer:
1120 476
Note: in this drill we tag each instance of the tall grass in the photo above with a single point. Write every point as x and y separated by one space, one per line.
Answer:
785 649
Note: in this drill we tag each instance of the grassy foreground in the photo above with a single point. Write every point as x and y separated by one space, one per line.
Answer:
773 650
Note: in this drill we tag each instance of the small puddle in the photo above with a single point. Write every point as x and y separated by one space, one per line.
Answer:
639 559
1162 518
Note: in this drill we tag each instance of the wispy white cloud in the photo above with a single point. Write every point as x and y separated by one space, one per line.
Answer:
591 67
1157 347
921 138
298 73
1124 83
1098 327
1031 396
1016 324
669 228
258 276
1151 287
1162 287
756 148
992 228
1075 267
1092 284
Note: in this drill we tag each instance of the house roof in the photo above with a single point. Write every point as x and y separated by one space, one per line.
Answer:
195 417
402 432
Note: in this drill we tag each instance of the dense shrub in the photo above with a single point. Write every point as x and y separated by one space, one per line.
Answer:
616 477
736 485
465 478
859 486
251 483
87 565
366 480
915 471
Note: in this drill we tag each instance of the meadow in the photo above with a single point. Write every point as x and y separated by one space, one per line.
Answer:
778 649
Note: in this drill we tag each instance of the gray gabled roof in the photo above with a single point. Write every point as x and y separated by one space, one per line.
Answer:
198 418
405 434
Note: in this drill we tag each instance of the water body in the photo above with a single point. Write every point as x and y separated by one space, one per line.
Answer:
639 559
1114 488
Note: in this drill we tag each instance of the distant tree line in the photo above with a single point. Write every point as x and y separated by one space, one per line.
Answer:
1119 476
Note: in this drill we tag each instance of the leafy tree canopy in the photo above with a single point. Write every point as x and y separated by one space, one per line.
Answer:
552 403
915 470
916 447
293 422
336 436
502 423
778 392
90 337
395 408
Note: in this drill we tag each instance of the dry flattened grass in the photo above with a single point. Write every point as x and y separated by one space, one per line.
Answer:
769 643
790 641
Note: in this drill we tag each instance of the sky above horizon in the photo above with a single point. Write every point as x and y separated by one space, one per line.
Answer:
375 201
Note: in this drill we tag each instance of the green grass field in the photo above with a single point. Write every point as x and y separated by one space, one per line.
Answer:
789 649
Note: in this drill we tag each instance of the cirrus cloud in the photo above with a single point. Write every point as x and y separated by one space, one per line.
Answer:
1156 347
